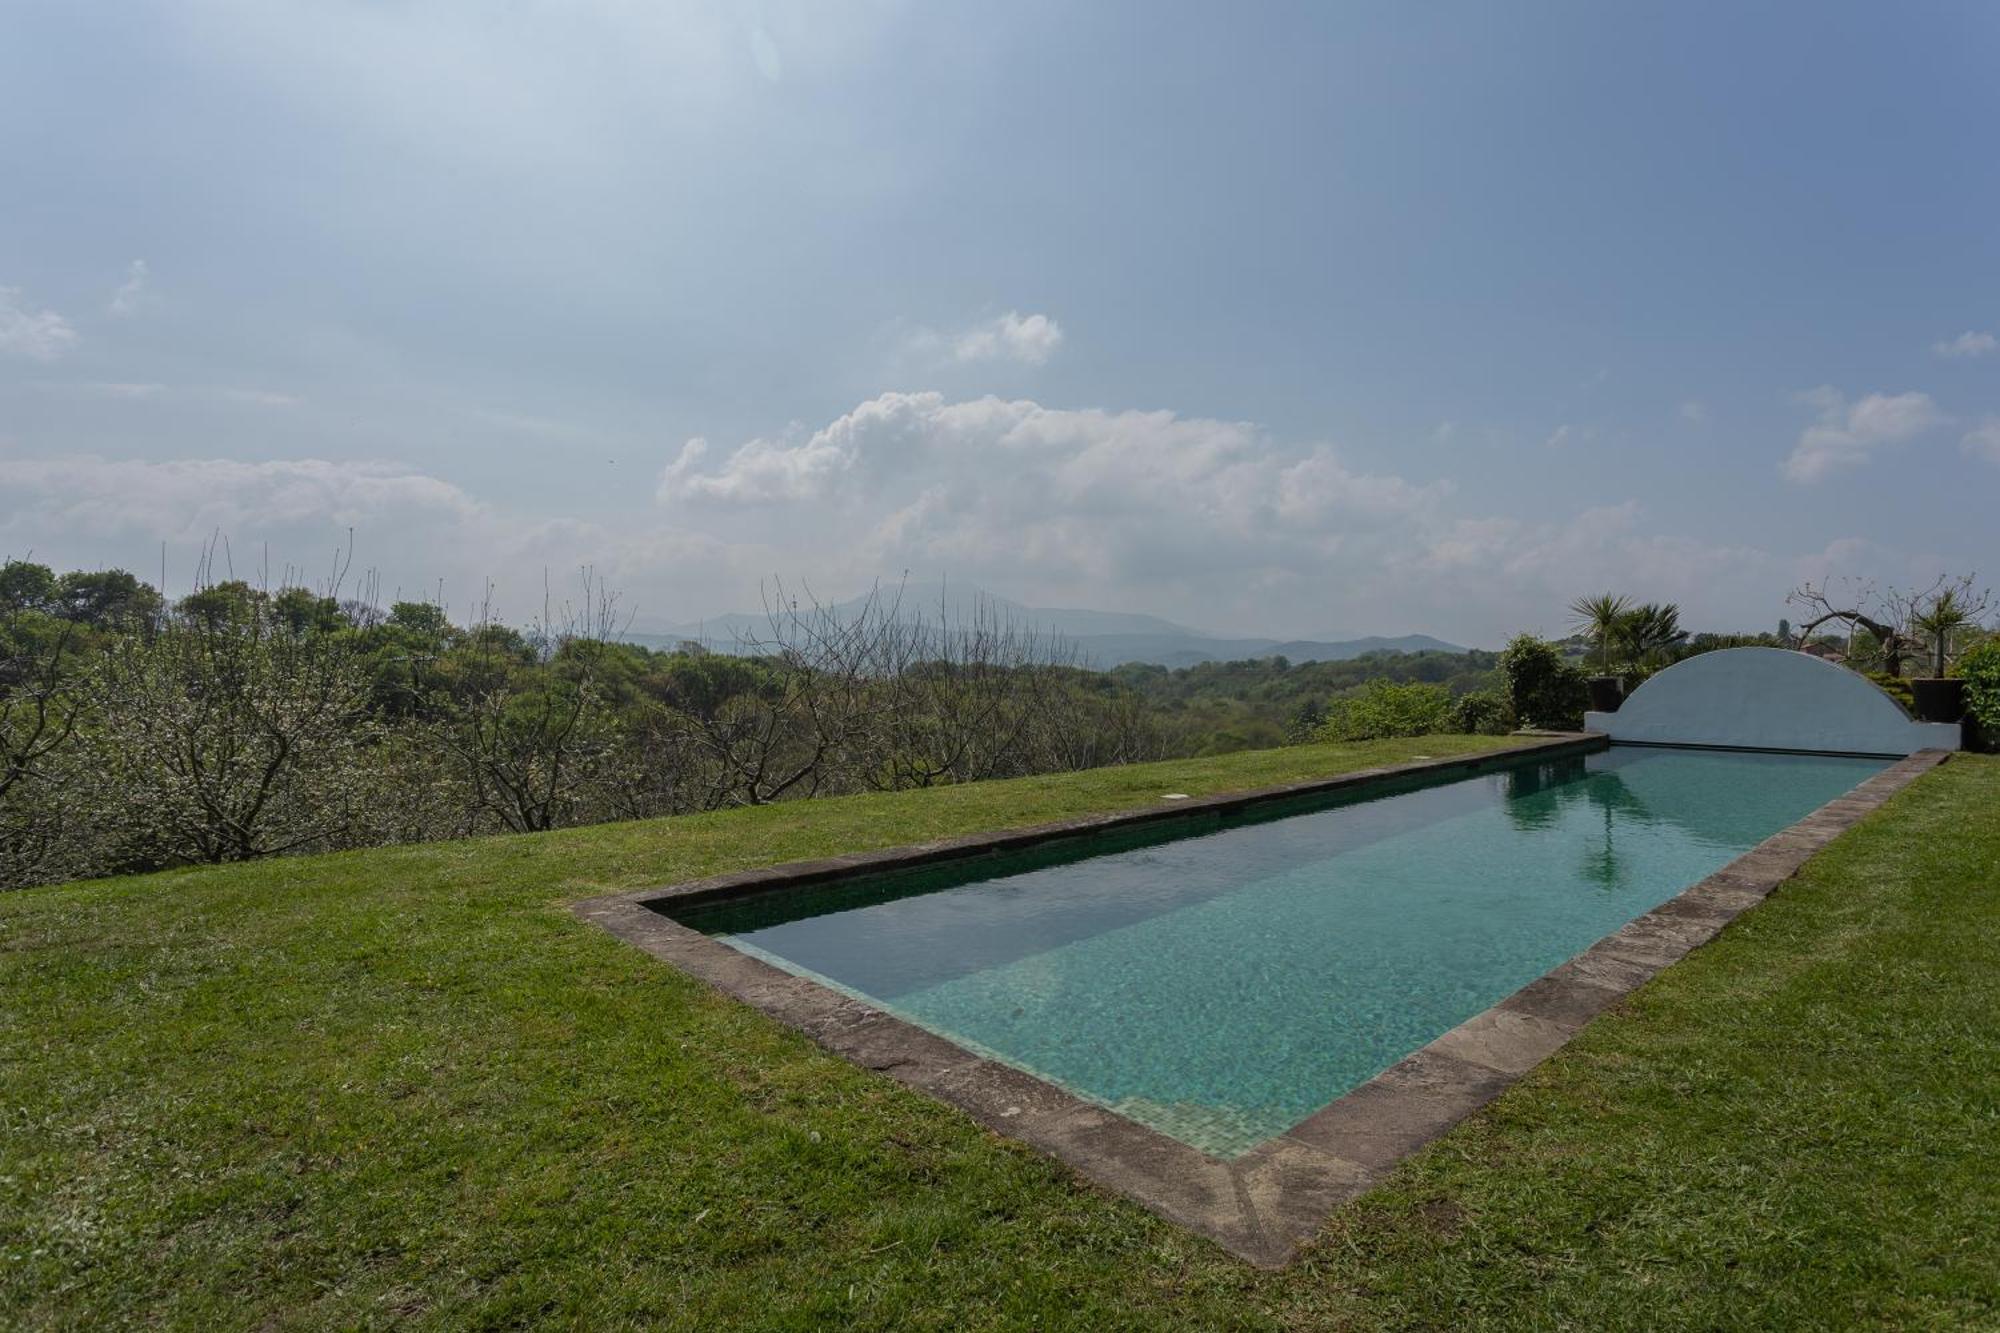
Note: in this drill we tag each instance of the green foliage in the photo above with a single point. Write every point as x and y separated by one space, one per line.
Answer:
302 611
1480 713
1942 616
225 744
1980 668
1650 633
108 599
241 723
426 619
1601 619
1896 687
1543 689
1707 642
1215 707
26 587
1383 709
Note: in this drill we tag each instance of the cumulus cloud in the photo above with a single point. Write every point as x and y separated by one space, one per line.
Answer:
183 499
1846 433
1983 440
1032 497
419 530
39 335
1028 339
1967 344
1212 522
132 294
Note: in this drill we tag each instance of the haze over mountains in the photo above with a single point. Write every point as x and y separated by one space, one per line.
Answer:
1100 639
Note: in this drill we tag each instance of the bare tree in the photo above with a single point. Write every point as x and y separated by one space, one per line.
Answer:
804 725
39 701
40 708
959 697
1889 615
535 743
229 740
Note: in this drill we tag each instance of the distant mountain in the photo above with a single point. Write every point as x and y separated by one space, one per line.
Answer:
1100 639
1109 650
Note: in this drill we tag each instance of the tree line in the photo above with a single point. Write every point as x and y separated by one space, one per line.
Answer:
240 722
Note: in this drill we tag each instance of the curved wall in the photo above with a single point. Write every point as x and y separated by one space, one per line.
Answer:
1769 699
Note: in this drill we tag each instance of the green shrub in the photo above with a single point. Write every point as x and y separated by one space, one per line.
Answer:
1896 687
1480 713
1543 689
1384 708
1981 669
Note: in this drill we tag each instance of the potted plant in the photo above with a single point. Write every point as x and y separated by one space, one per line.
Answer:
1941 698
1602 619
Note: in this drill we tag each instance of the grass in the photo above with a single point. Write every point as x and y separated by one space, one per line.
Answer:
406 1087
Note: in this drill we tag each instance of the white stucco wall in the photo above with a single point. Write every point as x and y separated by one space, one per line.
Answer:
1769 699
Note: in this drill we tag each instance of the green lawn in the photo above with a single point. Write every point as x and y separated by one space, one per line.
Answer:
407 1087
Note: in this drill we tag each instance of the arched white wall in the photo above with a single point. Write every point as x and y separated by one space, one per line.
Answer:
1769 699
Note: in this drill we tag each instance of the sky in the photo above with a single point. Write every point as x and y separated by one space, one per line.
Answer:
1298 320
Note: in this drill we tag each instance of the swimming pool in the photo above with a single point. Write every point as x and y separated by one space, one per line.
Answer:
1219 978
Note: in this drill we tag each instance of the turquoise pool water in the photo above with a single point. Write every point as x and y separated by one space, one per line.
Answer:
1220 980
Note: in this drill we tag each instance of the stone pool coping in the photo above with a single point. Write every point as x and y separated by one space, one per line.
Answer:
1264 1205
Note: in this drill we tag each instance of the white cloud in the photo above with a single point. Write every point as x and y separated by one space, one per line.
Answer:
132 294
1211 522
1558 437
1967 344
419 530
1983 440
1846 433
1029 339
39 335
258 397
988 486
148 389
1606 543
1694 413
110 388
187 499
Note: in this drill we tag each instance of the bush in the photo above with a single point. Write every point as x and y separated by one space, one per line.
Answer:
1480 713
1384 708
1543 689
1896 687
1981 669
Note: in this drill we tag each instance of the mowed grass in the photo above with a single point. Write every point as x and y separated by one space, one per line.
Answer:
407 1087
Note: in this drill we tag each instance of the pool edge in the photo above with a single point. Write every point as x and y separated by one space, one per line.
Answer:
1264 1205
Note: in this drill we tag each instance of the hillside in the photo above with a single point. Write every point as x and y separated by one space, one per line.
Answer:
1100 639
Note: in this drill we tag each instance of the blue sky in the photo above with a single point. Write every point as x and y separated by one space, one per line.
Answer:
1288 319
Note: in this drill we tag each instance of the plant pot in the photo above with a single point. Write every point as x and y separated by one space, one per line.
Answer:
1939 698
1606 693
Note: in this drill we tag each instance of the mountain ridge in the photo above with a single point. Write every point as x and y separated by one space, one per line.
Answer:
1100 639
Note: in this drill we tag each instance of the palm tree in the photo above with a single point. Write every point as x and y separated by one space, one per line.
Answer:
1600 619
1943 617
1650 630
